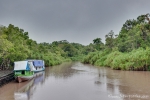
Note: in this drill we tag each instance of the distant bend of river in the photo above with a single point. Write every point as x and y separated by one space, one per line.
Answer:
77 81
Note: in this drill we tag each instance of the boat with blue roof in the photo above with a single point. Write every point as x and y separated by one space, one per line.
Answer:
25 70
37 65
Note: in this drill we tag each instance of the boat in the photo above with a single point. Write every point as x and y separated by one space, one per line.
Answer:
37 65
23 71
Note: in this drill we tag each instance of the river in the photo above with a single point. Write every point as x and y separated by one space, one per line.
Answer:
77 81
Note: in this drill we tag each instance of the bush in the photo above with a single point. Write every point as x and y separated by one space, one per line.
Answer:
110 58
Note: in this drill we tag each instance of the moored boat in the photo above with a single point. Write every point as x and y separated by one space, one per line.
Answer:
23 71
37 65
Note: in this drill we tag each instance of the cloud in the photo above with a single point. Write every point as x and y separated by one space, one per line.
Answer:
73 20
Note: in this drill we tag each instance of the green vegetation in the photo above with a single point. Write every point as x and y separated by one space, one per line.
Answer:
128 50
135 60
16 45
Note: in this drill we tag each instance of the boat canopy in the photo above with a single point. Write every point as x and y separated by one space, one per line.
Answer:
38 63
21 65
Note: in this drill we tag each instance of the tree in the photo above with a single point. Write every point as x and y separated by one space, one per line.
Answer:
5 50
98 43
70 50
110 39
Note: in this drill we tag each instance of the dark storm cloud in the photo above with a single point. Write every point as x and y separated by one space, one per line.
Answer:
74 20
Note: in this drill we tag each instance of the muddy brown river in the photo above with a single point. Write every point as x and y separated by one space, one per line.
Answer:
77 81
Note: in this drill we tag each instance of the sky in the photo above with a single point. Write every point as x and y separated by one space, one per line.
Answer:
78 21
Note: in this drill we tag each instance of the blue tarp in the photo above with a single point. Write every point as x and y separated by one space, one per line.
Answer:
37 63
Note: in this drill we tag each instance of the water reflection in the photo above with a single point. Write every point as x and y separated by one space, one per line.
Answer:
126 85
77 81
26 91
61 71
135 83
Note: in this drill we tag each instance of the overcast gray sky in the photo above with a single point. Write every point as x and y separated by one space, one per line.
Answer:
78 21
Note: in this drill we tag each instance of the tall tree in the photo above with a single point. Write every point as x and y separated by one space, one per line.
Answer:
110 39
98 43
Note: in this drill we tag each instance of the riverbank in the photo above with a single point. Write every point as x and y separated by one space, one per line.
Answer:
6 76
136 60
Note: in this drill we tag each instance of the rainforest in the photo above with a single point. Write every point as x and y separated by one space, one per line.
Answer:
127 50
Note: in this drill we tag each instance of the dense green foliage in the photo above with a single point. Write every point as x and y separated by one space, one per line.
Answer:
129 50
16 45
136 60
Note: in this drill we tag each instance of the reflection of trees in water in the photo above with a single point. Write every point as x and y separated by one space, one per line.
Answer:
64 70
124 82
135 83
108 79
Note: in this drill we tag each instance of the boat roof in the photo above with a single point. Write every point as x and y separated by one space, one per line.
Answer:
36 63
21 65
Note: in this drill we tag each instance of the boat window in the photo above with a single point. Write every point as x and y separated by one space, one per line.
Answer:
17 72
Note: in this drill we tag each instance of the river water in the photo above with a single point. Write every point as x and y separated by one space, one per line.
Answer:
77 81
